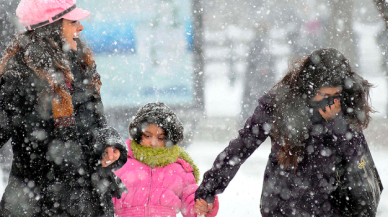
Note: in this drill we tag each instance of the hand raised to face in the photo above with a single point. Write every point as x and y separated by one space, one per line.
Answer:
331 111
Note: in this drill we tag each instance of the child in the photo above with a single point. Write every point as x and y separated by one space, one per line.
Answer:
160 176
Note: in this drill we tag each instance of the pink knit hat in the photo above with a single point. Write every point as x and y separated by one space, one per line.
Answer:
37 13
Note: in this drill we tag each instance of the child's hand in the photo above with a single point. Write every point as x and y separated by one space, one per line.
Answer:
202 207
111 155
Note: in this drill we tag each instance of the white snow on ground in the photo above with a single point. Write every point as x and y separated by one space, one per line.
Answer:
242 196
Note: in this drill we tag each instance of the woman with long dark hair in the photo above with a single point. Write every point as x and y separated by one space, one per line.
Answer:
50 106
314 116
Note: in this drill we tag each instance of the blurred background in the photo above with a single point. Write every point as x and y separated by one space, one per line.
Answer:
211 60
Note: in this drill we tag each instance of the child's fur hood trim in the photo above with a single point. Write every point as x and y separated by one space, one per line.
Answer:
162 156
161 115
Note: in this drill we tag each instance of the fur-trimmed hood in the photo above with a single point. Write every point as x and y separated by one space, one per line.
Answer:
161 115
161 156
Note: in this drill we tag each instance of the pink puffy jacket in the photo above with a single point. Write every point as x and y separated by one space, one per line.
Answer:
157 192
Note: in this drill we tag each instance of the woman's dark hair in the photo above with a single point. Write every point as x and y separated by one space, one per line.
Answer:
162 116
46 40
322 68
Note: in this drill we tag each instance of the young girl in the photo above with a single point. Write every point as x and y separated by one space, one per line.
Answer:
160 176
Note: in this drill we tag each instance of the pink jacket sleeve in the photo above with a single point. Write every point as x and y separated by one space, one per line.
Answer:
187 205
188 194
216 205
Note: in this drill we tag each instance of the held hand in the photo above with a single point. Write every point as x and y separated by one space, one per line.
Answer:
111 155
331 111
202 207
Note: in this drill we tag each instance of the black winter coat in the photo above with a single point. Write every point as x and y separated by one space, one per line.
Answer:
311 188
56 172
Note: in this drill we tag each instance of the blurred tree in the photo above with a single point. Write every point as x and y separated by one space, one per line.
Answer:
198 31
259 76
7 22
382 6
342 36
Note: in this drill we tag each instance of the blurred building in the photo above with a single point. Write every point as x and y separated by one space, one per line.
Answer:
8 24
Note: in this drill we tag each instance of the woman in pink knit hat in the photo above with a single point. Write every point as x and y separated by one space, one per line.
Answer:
50 107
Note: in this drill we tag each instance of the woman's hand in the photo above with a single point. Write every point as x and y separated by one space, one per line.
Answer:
111 155
331 111
202 207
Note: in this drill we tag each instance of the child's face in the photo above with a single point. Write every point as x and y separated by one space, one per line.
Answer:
153 136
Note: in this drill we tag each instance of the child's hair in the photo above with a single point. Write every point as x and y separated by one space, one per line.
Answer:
162 116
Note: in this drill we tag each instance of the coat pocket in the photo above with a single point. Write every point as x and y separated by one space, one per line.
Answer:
359 187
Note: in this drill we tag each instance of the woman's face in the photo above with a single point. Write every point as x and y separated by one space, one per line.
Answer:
326 92
71 30
153 136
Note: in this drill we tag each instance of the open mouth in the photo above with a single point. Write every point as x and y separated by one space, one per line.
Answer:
76 39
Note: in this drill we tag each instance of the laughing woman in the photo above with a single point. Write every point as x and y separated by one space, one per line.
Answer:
50 106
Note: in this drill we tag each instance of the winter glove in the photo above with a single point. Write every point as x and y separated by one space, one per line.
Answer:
107 182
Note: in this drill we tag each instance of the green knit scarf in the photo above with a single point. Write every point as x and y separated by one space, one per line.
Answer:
162 156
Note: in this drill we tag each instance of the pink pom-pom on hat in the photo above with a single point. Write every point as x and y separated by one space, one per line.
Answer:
37 13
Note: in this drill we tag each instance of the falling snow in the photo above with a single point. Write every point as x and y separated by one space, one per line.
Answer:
212 73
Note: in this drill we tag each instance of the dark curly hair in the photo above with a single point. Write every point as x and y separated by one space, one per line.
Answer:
322 68
162 116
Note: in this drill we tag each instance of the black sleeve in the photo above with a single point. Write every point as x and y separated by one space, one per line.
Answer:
9 93
90 117
104 137
228 162
107 136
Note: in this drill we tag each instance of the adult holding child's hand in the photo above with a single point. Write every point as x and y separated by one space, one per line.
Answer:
314 117
202 207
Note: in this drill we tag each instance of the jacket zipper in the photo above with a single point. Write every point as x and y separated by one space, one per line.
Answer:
149 195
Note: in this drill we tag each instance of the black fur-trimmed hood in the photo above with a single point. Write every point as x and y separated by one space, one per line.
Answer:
161 115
